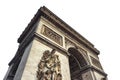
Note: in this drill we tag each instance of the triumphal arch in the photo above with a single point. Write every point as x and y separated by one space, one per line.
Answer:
49 49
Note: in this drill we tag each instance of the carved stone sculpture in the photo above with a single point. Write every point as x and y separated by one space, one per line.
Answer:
49 67
52 35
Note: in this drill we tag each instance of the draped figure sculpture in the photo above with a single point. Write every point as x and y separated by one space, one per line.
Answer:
49 66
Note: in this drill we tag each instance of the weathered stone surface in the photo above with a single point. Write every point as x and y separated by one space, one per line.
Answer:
22 64
48 32
34 58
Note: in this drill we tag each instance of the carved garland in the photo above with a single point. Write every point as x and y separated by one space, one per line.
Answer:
49 67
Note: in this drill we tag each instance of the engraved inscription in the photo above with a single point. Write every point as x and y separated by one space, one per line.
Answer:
96 62
52 35
49 67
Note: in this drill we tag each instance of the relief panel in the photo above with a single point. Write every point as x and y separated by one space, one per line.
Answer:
52 35
49 67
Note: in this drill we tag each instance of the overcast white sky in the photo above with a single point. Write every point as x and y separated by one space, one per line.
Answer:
96 20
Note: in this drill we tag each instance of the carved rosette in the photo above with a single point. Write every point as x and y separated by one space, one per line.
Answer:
49 67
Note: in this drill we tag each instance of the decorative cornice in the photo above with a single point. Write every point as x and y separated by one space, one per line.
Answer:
99 71
43 11
29 38
88 67
22 47
50 44
67 29
30 26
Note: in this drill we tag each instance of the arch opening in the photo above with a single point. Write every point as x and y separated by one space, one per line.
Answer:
76 63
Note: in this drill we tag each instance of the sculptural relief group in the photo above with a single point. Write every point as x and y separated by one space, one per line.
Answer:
49 67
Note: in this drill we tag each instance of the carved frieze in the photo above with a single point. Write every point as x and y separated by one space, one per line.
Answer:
96 62
49 67
52 35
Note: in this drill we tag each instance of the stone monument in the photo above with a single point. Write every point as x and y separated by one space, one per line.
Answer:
49 49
